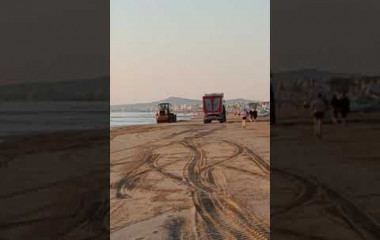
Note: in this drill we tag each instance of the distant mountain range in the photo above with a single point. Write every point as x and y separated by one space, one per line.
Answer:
178 101
68 90
173 101
301 74
181 101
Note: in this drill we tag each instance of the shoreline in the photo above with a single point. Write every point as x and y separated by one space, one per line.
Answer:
231 119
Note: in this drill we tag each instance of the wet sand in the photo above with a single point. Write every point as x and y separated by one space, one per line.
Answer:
190 180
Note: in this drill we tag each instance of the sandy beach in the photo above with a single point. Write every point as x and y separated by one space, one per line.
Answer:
325 189
190 180
54 186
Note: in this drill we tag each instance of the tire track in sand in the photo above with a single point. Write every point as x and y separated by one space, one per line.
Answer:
357 220
219 215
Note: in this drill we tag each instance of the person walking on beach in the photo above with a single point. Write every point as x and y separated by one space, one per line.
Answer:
243 115
254 114
335 105
344 108
224 112
272 101
318 108
251 115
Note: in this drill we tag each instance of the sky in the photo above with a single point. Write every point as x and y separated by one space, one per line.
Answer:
188 48
336 35
45 40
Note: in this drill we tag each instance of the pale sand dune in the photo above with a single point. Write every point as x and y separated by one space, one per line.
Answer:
190 181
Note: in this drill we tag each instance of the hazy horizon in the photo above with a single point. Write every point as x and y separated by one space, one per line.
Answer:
157 100
186 49
319 36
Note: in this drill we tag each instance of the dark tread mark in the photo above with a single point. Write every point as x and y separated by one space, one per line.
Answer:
359 221
220 218
308 193
176 229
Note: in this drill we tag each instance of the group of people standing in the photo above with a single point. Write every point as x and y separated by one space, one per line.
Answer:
338 106
245 114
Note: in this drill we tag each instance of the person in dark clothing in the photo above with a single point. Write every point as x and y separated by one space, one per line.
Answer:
224 113
254 113
272 101
251 115
335 105
344 108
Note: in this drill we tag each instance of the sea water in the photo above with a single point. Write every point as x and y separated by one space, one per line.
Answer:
29 118
120 119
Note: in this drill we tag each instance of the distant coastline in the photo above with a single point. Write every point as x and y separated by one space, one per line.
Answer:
179 105
96 89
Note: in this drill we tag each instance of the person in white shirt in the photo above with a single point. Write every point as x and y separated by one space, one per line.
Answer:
318 107
243 115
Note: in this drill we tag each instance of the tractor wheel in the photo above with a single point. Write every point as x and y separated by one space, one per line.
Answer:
172 118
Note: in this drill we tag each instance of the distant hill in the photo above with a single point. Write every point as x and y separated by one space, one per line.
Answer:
179 101
173 100
67 90
239 101
305 74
